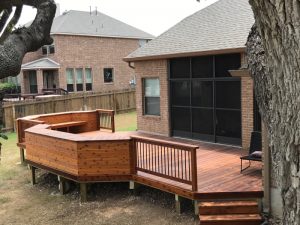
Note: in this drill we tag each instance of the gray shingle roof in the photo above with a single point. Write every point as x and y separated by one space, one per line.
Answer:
222 25
94 24
43 63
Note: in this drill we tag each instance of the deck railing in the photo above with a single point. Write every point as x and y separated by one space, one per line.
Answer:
170 160
106 119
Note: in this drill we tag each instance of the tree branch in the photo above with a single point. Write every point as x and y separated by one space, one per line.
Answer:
10 26
24 40
4 18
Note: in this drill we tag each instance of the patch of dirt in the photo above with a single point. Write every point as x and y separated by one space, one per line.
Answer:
109 203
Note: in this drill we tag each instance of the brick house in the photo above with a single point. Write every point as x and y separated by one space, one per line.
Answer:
192 81
86 55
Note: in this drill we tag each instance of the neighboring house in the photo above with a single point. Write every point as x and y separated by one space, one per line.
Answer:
86 55
192 82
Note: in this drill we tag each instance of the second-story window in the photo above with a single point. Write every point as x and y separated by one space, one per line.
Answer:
48 49
108 75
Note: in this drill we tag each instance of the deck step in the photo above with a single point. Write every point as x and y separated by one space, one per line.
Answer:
234 219
228 207
239 212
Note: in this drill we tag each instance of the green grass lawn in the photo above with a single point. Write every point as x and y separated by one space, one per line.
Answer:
9 159
126 122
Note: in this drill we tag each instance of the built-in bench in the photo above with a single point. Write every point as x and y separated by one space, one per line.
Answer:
71 122
65 126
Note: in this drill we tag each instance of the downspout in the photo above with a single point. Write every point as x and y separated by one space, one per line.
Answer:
130 65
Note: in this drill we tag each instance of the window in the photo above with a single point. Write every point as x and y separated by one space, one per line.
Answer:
48 49
33 88
88 79
108 75
70 80
142 42
44 50
151 96
51 49
79 80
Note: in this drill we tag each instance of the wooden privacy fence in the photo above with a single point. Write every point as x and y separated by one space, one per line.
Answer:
118 101
174 161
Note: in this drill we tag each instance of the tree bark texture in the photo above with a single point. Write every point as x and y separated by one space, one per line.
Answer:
26 39
273 51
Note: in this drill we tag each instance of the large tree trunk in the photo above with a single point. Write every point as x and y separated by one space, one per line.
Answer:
273 51
25 39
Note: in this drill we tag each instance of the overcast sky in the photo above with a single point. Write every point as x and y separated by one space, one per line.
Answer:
152 16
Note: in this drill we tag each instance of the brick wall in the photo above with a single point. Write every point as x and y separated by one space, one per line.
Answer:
92 52
247 110
153 124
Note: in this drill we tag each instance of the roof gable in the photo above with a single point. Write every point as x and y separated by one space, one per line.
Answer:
43 63
222 25
95 24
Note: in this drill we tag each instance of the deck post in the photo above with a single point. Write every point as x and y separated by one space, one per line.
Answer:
63 185
196 207
83 192
194 170
134 186
22 156
32 169
178 203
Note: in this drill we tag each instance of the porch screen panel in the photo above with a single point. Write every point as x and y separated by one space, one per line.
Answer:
228 111
224 63
205 100
79 79
180 106
181 121
202 67
202 127
180 68
202 110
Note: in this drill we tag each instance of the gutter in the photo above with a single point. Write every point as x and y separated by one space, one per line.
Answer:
185 54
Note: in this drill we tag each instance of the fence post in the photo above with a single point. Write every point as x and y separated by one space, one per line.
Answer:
113 121
14 117
114 102
194 170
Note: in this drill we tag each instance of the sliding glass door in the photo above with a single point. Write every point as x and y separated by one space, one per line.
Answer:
205 101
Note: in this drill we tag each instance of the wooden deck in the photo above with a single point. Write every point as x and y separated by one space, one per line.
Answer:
218 170
85 148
